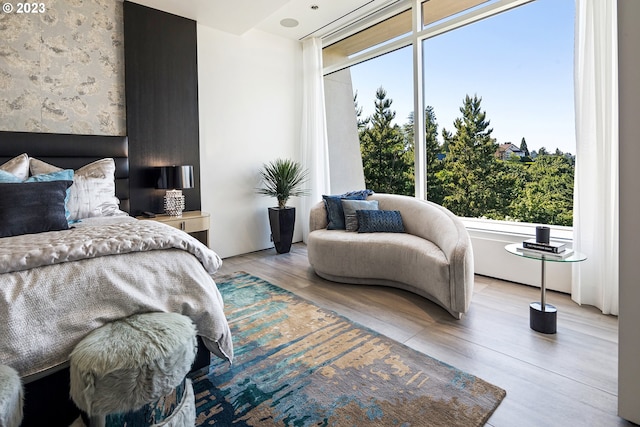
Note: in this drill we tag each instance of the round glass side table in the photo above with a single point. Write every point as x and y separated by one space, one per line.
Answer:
543 316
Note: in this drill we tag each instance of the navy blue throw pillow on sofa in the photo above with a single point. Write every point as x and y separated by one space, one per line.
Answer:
335 213
372 221
32 207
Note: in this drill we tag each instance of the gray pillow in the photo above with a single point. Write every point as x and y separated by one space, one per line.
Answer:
18 166
351 206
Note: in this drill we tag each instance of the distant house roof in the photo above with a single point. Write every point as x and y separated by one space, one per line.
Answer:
507 149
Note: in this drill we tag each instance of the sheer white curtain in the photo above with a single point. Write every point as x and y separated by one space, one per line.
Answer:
595 217
315 150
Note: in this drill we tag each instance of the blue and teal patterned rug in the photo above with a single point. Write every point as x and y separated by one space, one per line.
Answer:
297 364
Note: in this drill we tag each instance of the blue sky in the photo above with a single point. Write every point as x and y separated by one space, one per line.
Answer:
520 62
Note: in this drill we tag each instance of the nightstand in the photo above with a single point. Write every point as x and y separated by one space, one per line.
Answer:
195 223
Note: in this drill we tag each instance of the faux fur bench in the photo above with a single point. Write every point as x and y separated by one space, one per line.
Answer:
132 371
11 395
432 258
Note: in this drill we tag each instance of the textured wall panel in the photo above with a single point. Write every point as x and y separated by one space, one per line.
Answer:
62 71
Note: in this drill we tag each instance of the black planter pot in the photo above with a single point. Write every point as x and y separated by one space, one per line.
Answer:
282 222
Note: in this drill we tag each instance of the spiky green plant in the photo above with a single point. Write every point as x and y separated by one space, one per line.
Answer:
282 179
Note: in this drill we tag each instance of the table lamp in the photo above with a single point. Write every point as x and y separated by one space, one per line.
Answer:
174 179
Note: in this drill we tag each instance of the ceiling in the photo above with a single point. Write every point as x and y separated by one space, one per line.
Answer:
239 16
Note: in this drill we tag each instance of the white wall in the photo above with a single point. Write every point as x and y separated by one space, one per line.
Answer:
629 102
345 160
491 259
250 90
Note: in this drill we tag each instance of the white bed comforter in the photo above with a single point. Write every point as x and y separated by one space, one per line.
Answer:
120 267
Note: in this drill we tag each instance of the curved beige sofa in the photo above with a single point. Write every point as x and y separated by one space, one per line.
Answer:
433 258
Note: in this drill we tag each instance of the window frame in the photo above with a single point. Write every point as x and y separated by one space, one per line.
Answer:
417 36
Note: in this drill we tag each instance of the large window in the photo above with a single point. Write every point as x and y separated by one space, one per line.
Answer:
499 98
383 103
498 109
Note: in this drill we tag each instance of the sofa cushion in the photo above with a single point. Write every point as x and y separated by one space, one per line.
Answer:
351 206
377 221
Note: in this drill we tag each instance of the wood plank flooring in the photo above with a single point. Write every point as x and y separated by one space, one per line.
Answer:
565 379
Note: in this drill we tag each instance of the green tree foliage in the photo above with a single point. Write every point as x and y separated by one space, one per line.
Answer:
524 148
384 151
547 194
362 123
435 192
433 150
471 181
409 155
470 167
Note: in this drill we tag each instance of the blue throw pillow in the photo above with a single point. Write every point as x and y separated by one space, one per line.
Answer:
333 203
8 177
372 221
335 212
32 207
61 175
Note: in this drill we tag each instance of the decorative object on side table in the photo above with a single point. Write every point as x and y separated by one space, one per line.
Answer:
543 234
543 316
282 179
174 179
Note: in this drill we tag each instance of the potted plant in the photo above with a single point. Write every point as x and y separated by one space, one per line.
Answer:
282 179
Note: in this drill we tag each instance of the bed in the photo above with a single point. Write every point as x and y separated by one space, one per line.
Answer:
84 262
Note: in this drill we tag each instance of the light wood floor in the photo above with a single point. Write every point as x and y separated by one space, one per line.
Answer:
566 379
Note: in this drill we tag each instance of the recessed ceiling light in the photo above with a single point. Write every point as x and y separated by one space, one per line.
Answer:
289 22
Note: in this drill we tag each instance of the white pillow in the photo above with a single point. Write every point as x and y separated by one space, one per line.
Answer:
93 192
18 166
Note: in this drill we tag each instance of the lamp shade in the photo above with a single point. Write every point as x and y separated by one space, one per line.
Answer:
172 177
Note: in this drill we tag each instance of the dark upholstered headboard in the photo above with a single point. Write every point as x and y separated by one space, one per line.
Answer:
71 152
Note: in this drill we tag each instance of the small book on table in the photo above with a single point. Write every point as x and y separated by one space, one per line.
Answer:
552 247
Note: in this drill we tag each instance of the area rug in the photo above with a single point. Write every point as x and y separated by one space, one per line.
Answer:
297 364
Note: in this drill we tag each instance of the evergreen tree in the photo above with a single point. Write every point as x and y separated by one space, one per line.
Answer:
447 137
524 148
471 180
384 151
410 155
547 195
470 172
511 179
432 150
362 123
435 192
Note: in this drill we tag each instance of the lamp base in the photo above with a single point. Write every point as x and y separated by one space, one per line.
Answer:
174 203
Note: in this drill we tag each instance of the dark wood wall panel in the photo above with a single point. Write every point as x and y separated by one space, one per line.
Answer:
161 78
